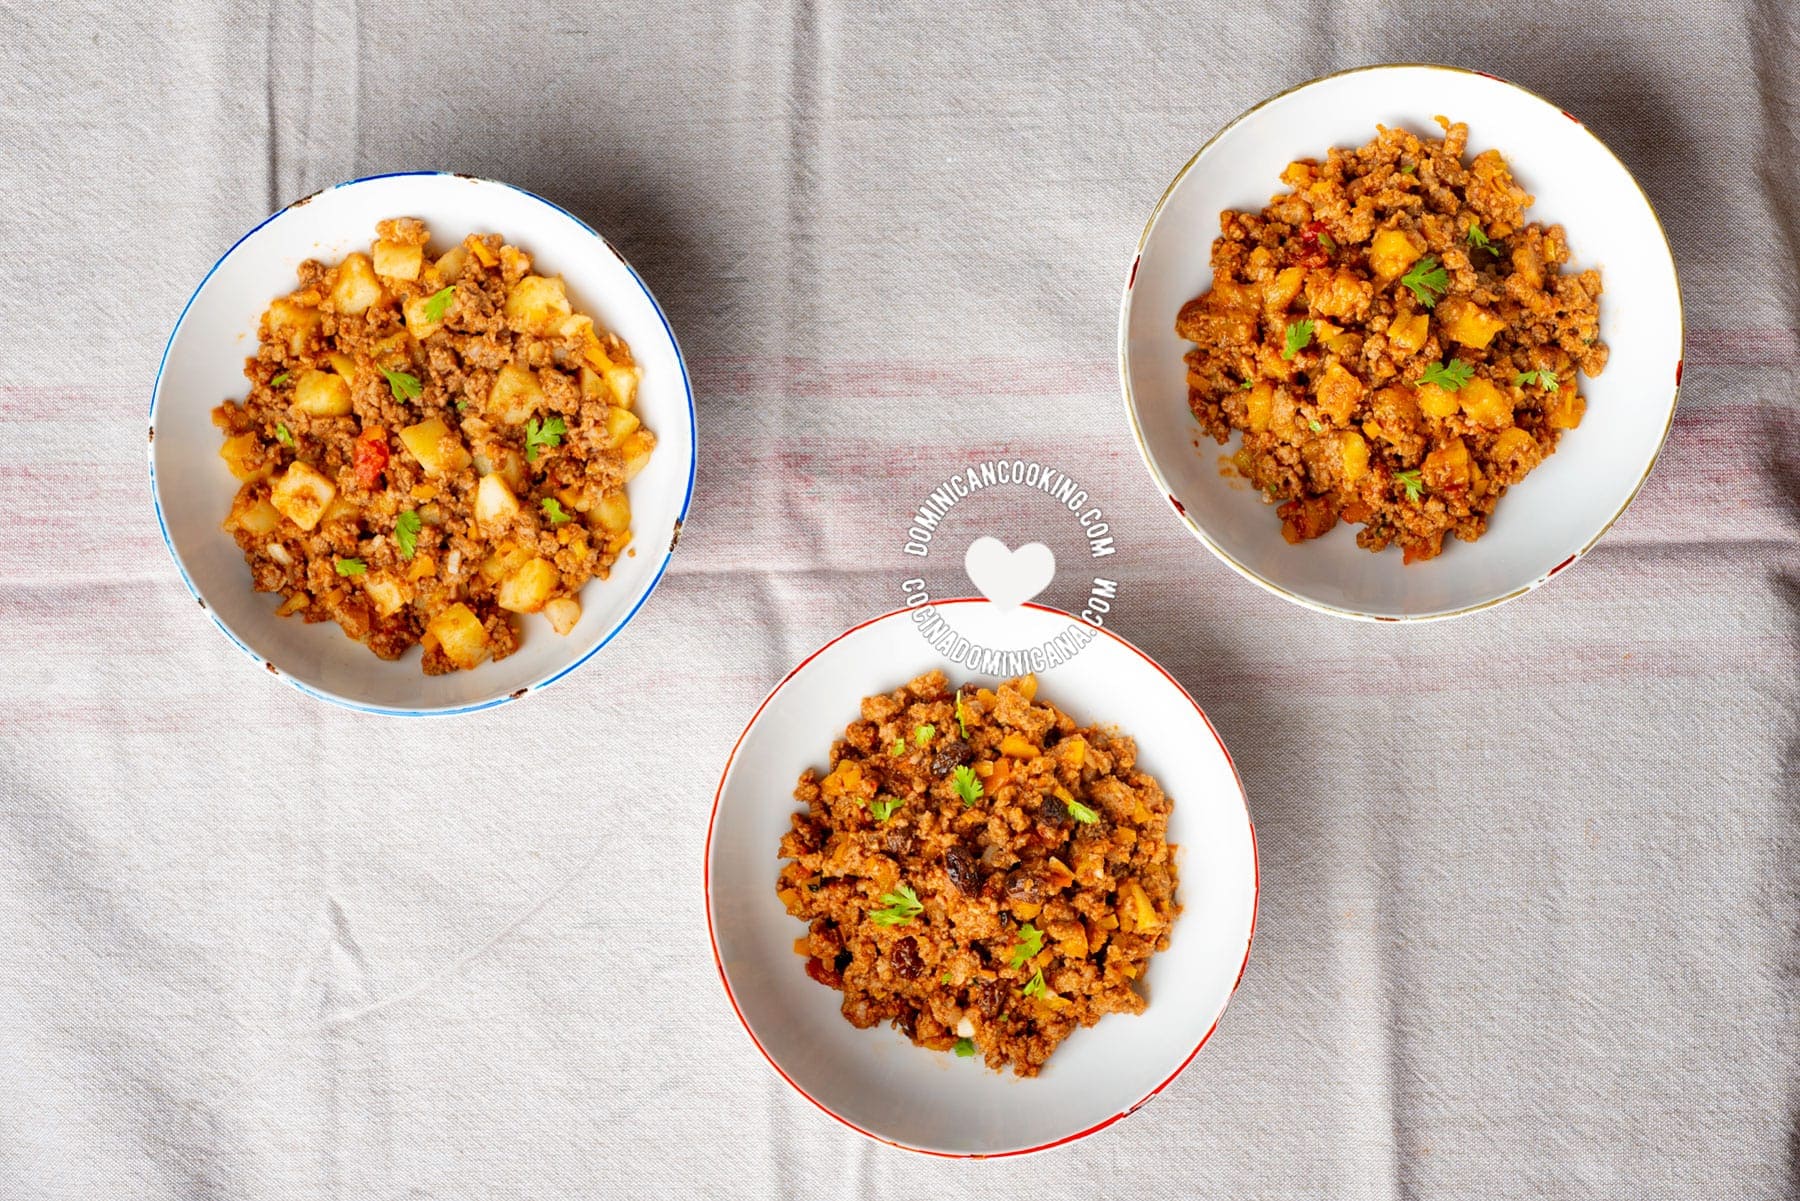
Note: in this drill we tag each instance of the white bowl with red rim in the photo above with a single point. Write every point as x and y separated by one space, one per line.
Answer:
876 1081
1544 523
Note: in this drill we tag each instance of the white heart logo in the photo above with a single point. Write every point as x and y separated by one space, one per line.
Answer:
1009 577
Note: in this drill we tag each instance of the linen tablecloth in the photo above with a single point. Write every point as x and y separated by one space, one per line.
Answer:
1529 905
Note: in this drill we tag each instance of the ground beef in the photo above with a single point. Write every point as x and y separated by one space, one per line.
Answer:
1395 343
946 904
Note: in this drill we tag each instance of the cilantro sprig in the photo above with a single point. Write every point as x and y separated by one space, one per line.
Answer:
1081 812
282 435
1477 238
539 434
281 379
898 749
967 785
404 387
965 1048
439 303
1299 334
960 723
1543 378
885 807
1035 985
406 532
1428 281
1409 480
1450 375
902 906
922 735
1031 941
351 567
553 510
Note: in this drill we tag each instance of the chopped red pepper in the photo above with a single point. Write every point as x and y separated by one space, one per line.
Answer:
370 456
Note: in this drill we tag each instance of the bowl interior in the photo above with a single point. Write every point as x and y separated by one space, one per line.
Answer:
204 365
875 1079
1562 506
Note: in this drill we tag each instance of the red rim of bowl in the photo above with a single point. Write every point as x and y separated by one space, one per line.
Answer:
1249 938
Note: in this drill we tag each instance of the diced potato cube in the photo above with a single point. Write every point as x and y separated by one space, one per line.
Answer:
356 288
296 323
1391 253
1279 291
1567 409
321 394
495 504
612 513
341 509
243 456
1259 405
450 266
417 323
1514 441
1467 322
302 495
503 562
257 517
398 260
515 395
503 461
436 446
623 381
1484 403
619 423
343 365
563 613
636 448
594 385
460 634
1447 467
1437 402
1409 333
1355 451
387 594
527 590
536 303
1339 390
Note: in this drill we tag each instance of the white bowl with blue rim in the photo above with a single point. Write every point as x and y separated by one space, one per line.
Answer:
204 365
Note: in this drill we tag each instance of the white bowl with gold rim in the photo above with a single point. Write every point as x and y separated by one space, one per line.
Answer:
203 365
1544 523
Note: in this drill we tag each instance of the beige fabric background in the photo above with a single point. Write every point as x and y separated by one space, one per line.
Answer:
1529 910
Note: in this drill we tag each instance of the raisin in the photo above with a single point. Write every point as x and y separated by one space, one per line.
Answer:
905 958
961 866
896 841
908 1022
828 976
1052 811
990 995
952 755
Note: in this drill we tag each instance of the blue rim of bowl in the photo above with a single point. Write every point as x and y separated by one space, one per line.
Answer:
1250 573
687 386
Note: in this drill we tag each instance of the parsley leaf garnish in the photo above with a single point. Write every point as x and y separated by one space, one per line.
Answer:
898 749
1428 281
1035 985
553 510
439 303
403 386
1450 375
1031 941
967 785
283 436
884 808
548 432
960 723
351 567
902 907
1544 379
1081 812
1478 239
965 1048
1409 480
281 379
406 532
924 734
1299 333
